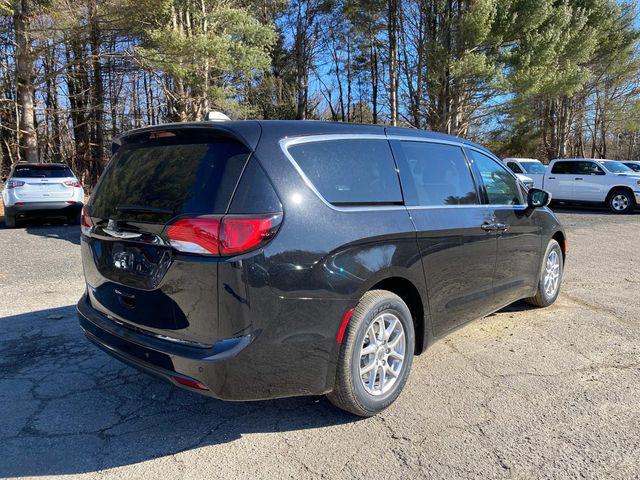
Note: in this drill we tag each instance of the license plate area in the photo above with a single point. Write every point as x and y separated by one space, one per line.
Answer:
136 265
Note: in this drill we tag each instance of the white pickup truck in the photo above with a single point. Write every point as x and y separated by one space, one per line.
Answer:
585 180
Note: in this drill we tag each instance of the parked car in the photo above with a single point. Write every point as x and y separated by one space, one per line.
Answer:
41 189
633 165
532 168
250 260
590 181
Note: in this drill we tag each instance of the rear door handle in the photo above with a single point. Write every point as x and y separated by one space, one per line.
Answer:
578 178
552 178
503 227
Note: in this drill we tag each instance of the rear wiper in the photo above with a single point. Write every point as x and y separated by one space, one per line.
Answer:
141 209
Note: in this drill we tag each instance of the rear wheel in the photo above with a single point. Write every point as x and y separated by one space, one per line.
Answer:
376 354
621 201
550 277
73 218
9 220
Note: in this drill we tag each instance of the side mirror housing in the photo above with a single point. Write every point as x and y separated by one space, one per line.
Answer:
537 198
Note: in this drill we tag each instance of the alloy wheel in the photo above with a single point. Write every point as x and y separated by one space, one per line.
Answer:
382 354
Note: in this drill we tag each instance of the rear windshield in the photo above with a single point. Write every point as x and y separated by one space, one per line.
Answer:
42 171
155 181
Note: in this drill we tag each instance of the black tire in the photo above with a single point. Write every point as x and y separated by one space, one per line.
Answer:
73 219
542 298
621 201
9 221
349 392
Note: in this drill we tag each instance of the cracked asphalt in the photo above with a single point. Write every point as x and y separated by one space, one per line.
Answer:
524 393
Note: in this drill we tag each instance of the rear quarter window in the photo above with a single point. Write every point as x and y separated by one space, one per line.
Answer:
348 172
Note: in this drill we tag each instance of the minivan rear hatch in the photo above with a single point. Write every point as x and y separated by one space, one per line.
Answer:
133 275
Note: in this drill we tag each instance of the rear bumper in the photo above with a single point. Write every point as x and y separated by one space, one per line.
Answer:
637 195
62 207
241 368
161 358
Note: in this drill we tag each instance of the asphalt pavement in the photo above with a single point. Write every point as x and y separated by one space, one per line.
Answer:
524 393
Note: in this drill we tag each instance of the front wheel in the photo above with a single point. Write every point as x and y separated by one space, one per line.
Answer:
550 277
376 354
621 201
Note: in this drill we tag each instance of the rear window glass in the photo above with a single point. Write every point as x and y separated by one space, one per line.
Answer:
156 181
350 171
42 171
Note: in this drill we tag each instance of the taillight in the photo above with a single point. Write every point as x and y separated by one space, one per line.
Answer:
85 221
73 183
14 184
195 235
229 235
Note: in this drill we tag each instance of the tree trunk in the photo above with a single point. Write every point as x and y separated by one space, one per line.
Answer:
392 26
24 80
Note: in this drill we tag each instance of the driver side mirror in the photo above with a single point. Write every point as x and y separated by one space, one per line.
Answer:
537 198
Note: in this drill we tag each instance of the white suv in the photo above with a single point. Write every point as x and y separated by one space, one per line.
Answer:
41 189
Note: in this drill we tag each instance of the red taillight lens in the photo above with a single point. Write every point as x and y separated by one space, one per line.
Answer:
241 234
229 235
195 235
85 221
75 184
14 184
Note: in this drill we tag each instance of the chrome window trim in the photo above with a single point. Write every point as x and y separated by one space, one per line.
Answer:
286 142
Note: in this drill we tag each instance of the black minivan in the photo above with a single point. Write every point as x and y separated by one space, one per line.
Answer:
258 259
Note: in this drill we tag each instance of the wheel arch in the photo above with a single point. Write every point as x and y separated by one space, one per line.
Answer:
616 188
410 294
561 238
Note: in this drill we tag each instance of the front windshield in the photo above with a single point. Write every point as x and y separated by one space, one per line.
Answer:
615 167
533 167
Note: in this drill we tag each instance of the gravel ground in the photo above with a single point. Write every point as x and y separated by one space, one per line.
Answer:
524 393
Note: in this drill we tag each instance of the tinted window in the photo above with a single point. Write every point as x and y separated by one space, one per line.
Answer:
501 187
171 178
440 174
576 168
350 171
514 167
255 194
533 167
42 171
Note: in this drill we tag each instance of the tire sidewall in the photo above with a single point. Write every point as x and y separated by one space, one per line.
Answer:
630 206
367 401
553 245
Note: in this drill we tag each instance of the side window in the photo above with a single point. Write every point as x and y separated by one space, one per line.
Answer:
350 171
588 168
440 174
514 167
501 187
565 168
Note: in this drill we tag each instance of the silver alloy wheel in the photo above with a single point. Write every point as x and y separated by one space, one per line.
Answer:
552 274
620 202
382 354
